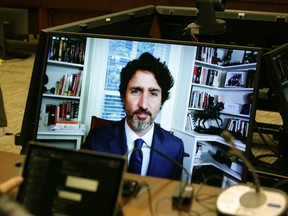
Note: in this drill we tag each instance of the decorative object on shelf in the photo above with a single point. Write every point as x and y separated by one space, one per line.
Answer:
211 113
249 57
235 79
45 90
222 158
43 119
52 90
227 57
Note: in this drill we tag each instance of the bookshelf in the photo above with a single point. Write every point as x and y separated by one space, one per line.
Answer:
215 76
62 98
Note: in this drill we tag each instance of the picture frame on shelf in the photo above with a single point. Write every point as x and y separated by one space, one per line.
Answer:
235 79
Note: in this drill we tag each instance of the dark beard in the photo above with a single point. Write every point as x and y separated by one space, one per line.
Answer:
140 124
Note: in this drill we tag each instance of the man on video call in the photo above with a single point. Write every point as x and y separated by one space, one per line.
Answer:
144 87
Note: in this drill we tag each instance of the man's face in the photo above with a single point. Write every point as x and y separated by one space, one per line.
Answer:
142 101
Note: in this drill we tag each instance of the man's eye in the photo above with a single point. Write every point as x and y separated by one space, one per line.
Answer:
135 91
154 94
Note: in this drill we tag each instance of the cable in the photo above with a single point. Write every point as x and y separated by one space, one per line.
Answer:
200 198
149 198
203 198
193 38
280 183
182 184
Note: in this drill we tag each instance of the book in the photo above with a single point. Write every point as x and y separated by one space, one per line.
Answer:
74 84
238 126
216 78
64 49
79 85
250 78
63 110
66 84
195 97
204 74
61 84
60 49
210 77
191 122
208 55
198 75
67 125
195 72
50 109
67 49
54 48
69 84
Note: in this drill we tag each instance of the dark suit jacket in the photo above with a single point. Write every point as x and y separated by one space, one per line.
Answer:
112 139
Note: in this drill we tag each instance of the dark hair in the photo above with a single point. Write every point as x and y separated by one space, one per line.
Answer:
148 62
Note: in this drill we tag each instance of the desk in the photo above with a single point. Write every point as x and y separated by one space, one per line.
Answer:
161 191
8 162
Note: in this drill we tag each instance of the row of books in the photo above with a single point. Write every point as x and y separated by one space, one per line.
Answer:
225 56
67 49
65 111
69 84
238 126
201 100
207 54
206 76
211 77
250 78
190 123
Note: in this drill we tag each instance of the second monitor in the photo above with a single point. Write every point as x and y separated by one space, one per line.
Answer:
241 26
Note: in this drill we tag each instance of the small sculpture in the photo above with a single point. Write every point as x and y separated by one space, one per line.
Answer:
212 112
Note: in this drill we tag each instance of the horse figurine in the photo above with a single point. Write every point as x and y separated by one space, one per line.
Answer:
212 112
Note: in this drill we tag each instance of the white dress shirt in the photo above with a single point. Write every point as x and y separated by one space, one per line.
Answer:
131 137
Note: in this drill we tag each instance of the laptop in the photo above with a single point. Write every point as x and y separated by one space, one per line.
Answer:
61 181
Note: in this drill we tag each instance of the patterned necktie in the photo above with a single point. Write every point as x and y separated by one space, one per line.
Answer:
135 163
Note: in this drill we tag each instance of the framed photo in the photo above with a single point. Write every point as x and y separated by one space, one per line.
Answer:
236 79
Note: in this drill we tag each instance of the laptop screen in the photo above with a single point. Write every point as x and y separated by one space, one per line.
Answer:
215 88
67 182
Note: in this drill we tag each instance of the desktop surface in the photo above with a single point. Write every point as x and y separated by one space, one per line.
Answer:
161 191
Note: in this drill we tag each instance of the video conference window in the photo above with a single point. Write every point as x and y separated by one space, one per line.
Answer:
220 80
